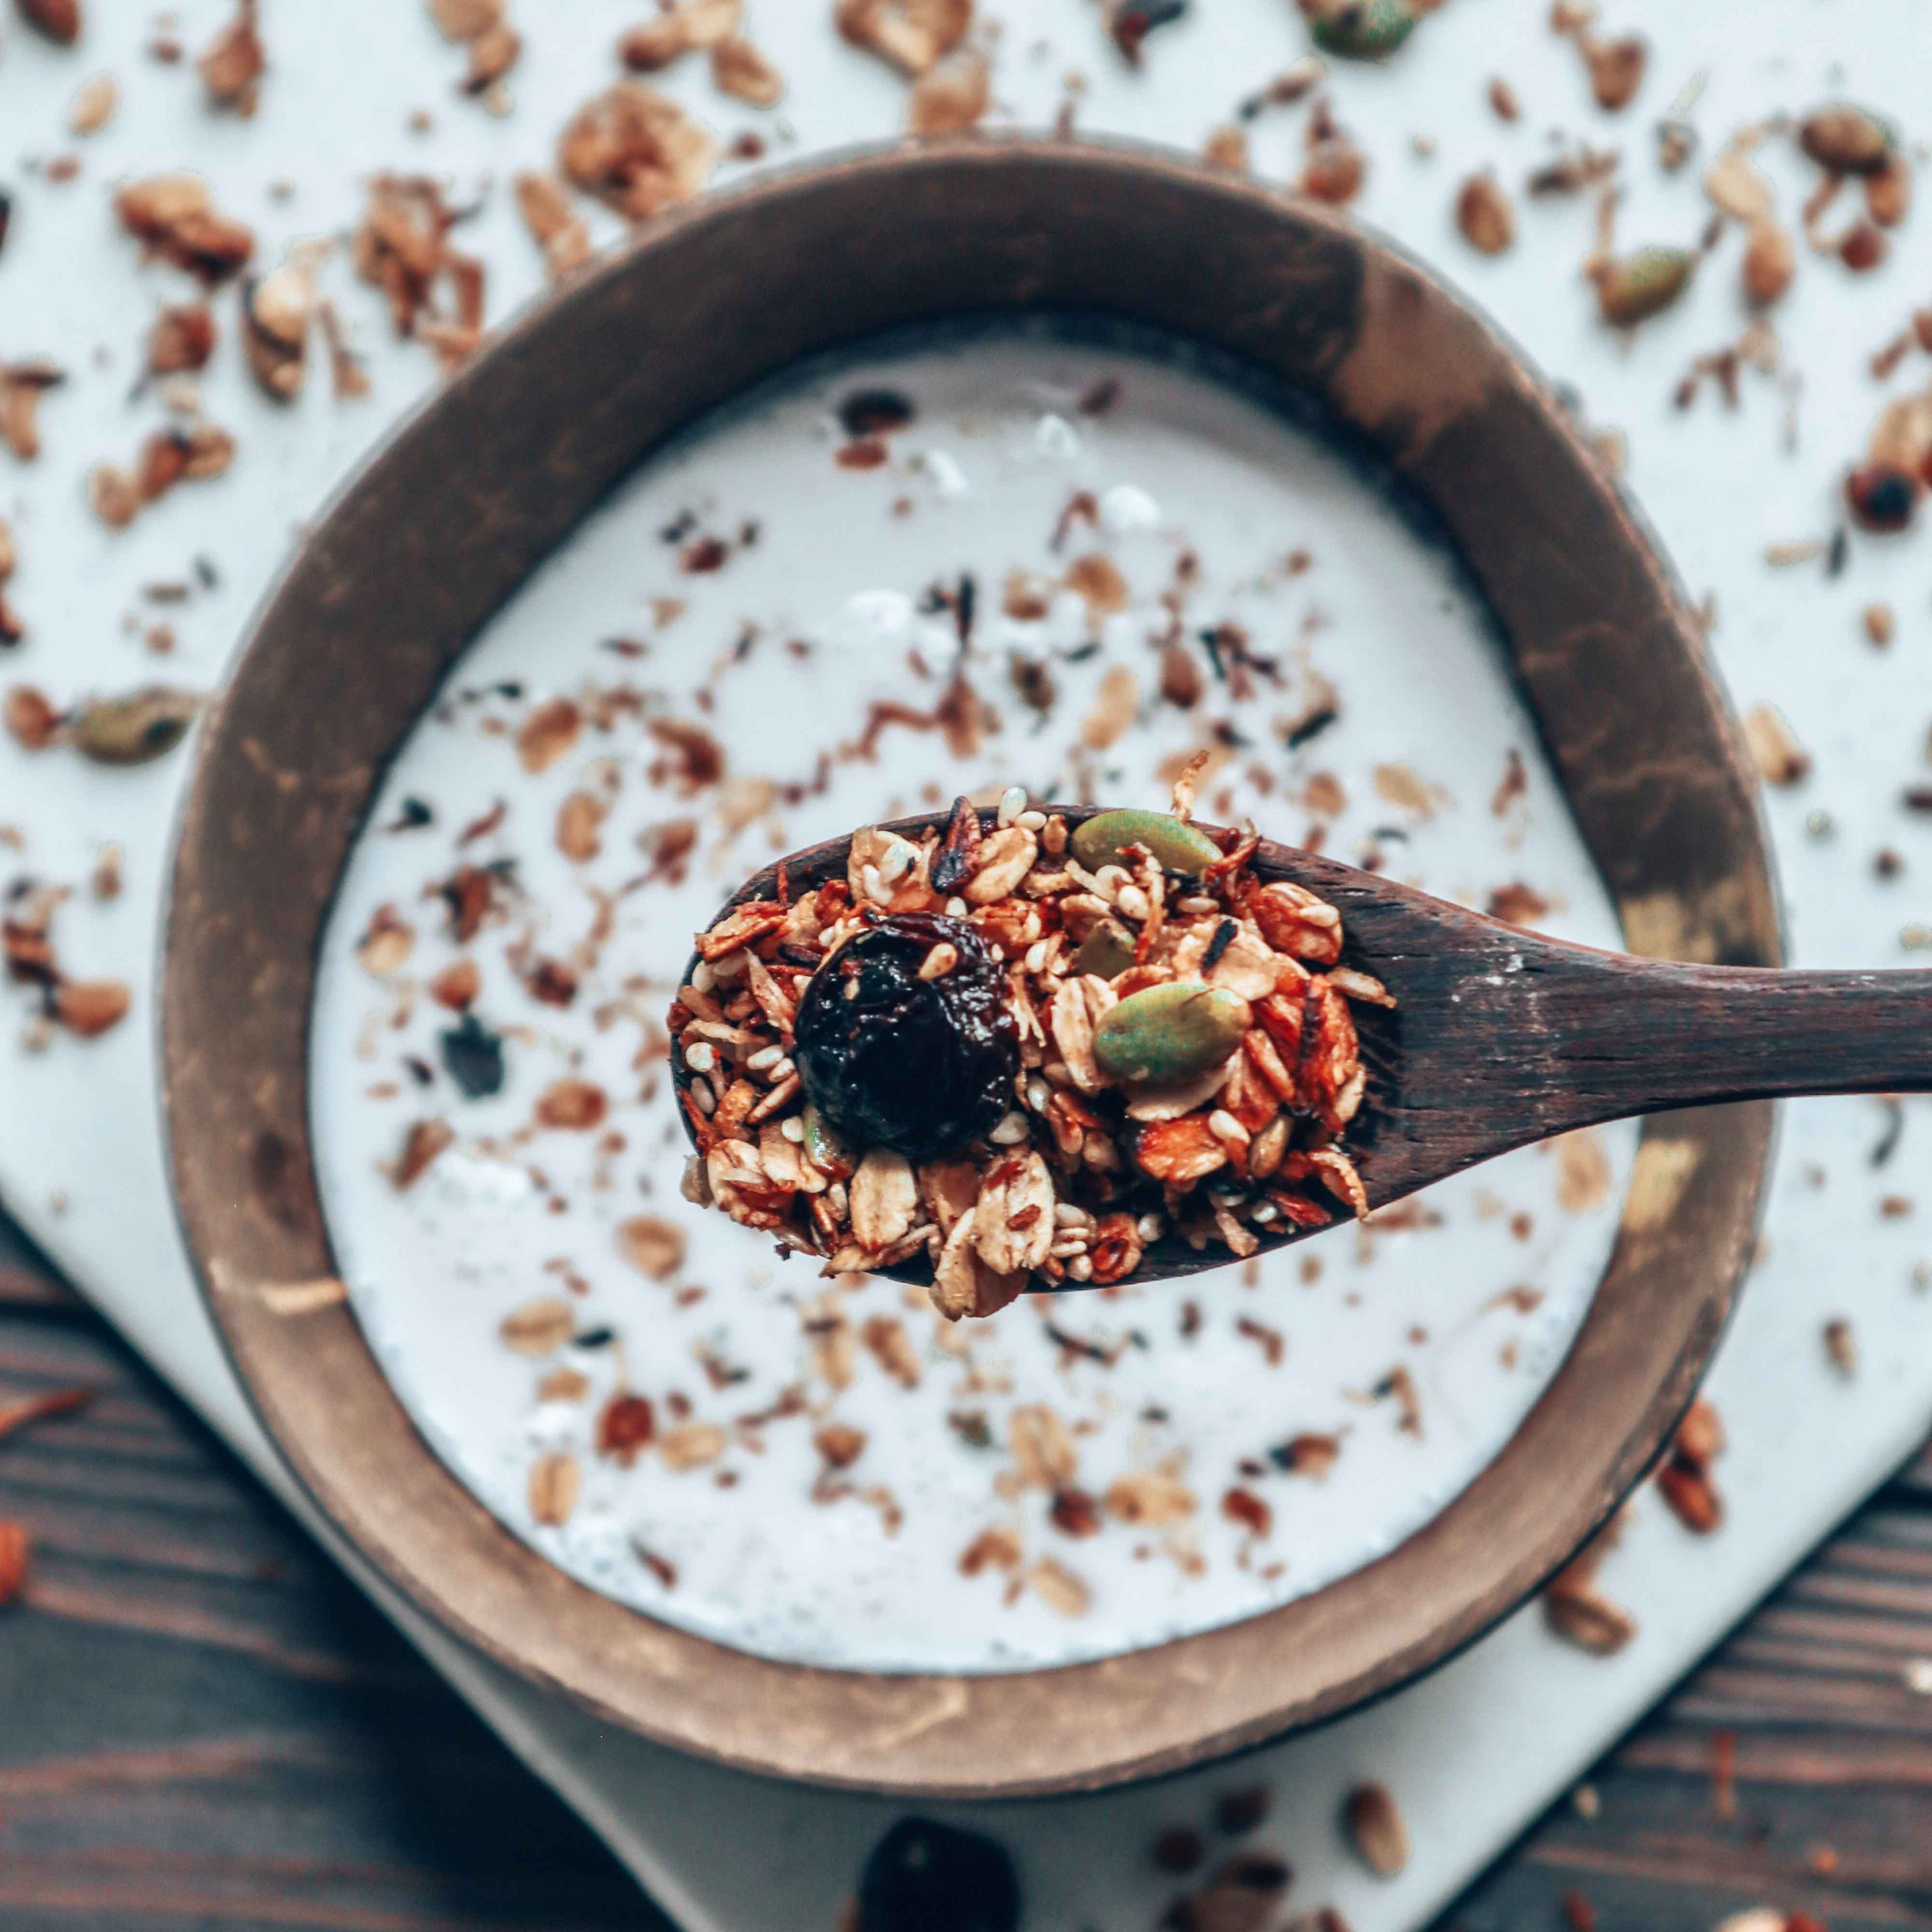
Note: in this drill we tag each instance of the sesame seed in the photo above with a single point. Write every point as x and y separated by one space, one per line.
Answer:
1012 802
793 1128
702 1058
1031 821
1010 1132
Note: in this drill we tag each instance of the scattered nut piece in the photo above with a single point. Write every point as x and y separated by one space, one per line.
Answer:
1780 759
950 97
275 312
910 33
686 27
58 20
637 151
555 225
174 216
739 69
233 67
1841 1345
652 1245
21 386
1485 214
466 19
555 1481
1375 1829
93 105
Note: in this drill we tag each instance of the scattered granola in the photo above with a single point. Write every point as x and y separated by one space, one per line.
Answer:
1068 1043
86 1008
435 291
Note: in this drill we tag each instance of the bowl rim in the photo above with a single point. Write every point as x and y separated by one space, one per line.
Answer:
1458 411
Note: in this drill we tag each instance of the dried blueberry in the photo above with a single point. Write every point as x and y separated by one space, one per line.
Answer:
926 1877
891 1059
474 1056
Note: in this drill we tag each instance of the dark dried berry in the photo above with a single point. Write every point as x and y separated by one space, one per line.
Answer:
1882 497
474 1056
927 1877
892 1061
874 412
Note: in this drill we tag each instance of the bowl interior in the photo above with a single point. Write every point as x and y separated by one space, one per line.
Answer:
480 485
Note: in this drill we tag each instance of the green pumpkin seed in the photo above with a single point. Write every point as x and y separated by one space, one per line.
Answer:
1847 138
1107 951
1362 29
1642 284
131 730
1176 845
828 1153
1170 1033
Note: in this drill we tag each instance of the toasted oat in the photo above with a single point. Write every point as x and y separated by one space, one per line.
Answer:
883 1199
1013 1219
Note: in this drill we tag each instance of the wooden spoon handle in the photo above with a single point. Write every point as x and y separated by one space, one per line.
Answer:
1626 1036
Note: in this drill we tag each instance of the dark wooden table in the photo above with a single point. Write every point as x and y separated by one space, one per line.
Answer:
202 1725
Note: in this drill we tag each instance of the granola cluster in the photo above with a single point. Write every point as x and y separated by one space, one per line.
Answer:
1186 1059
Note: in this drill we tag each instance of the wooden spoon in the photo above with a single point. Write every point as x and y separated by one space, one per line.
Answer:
1500 1037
